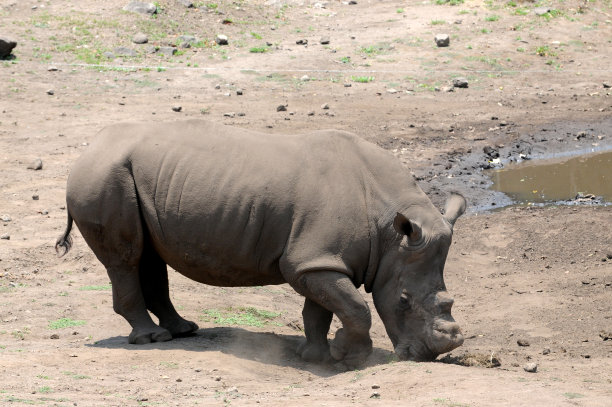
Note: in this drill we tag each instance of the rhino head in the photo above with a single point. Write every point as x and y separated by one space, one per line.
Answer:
409 291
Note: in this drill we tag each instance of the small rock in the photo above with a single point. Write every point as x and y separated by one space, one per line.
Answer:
540 11
375 386
109 55
325 106
531 367
324 40
186 3
44 212
375 395
190 39
281 108
302 42
239 92
606 336
241 114
305 78
447 89
36 165
490 151
140 38
177 108
141 8
6 218
311 113
522 342
50 92
218 378
125 52
392 91
347 85
179 380
52 68
54 336
352 2
167 51
229 114
442 40
546 351
5 236
6 47
35 197
460 82
198 369
607 85
222 39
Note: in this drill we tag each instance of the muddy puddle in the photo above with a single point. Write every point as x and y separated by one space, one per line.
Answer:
582 178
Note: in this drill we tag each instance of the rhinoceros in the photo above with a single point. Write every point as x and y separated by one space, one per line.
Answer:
325 212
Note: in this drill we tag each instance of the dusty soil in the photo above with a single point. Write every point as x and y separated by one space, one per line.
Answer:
540 276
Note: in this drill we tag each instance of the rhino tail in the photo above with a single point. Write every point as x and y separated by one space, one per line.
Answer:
64 241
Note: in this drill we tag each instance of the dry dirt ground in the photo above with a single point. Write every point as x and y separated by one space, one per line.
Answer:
540 275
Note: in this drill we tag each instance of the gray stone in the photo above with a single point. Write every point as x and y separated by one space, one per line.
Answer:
5 236
6 218
6 47
325 106
305 78
125 52
540 11
229 114
36 165
442 40
460 82
177 108
50 92
140 38
187 39
140 7
239 92
522 342
35 197
167 51
52 68
607 85
302 42
531 367
281 108
222 39
109 55
185 3
324 40
152 49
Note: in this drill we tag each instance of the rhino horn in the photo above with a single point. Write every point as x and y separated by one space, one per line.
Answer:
455 206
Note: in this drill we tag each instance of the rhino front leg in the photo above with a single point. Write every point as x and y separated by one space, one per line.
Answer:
336 293
154 283
316 326
129 302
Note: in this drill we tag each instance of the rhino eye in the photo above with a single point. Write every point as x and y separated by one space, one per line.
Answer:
405 300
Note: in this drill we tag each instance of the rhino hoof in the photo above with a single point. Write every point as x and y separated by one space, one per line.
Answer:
141 337
180 327
314 352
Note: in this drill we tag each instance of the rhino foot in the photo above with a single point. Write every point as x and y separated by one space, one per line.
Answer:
351 350
179 327
142 336
314 352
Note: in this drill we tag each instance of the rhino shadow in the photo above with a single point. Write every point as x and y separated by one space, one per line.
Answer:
263 347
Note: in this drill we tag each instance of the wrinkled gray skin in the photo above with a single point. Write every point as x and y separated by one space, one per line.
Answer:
325 212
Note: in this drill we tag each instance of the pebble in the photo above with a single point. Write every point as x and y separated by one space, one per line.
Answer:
54 336
5 236
305 78
540 11
141 8
324 40
607 85
375 386
222 39
190 39
522 342
375 395
186 3
545 351
36 165
281 108
239 92
442 40
352 2
167 51
392 91
325 106
6 47
229 114
140 38
177 108
531 367
50 92
124 52
311 113
52 68
6 218
35 197
302 42
460 82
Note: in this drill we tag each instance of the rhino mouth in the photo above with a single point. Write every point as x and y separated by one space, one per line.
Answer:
415 351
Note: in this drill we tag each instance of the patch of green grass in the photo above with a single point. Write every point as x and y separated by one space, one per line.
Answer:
76 375
12 399
520 11
40 376
399 10
20 333
104 287
258 50
544 50
65 323
437 22
485 31
44 389
345 60
450 2
520 49
245 316
553 13
255 35
572 396
492 18
171 365
362 79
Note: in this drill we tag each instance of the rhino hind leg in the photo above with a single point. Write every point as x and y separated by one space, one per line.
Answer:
317 320
154 284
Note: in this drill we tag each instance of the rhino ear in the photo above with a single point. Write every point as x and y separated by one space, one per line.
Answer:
455 206
405 226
